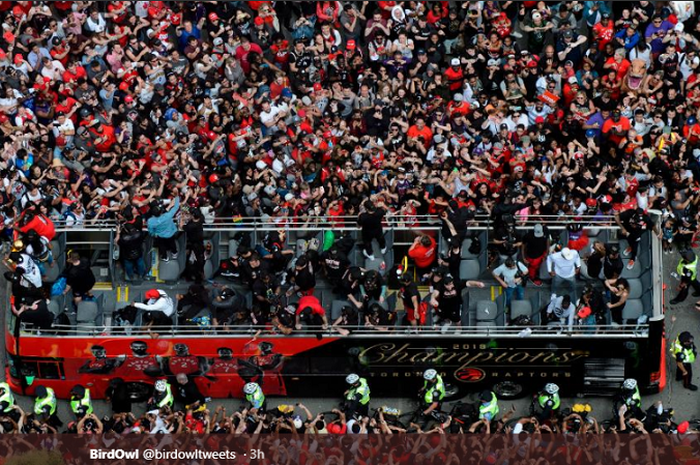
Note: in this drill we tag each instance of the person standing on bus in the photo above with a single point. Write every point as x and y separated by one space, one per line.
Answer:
79 277
687 270
633 224
535 246
370 222
410 296
255 397
163 229
563 266
423 252
187 392
488 406
357 396
685 352
45 406
511 275
548 402
433 391
162 396
80 402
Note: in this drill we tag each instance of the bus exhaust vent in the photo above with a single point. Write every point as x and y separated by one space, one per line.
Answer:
603 376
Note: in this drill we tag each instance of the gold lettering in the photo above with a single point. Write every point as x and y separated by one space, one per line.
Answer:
518 357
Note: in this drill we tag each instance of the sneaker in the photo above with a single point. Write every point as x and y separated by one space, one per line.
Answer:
364 252
630 265
692 387
675 301
383 250
627 252
174 256
370 257
165 259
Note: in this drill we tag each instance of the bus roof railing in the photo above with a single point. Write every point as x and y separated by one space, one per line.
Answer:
599 331
397 222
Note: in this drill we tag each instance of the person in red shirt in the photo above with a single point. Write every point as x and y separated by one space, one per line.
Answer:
74 72
104 137
244 50
311 312
603 31
423 252
616 127
454 75
421 130
618 63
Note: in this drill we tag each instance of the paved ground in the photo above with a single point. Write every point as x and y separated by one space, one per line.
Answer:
679 318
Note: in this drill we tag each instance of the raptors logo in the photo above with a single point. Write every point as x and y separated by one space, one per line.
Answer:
470 375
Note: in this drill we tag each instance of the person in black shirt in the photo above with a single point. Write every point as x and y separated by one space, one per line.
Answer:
334 263
130 238
453 257
79 277
594 262
633 224
411 300
535 245
303 277
36 314
370 220
449 300
350 285
195 301
118 395
194 229
266 294
187 392
379 318
252 269
612 264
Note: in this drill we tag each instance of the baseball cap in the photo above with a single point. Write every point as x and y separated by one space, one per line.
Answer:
538 230
128 99
259 21
539 120
218 41
19 58
532 64
213 16
455 62
567 253
590 133
421 51
152 294
351 44
492 62
317 87
683 427
536 15
573 80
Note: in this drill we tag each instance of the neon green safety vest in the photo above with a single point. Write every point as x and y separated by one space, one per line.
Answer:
692 267
7 397
41 402
75 404
256 398
362 389
168 399
439 387
544 398
635 399
688 353
490 408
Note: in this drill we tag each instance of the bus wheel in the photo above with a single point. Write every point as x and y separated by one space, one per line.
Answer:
452 392
508 390
139 392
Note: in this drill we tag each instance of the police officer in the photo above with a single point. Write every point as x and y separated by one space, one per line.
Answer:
45 406
7 400
630 398
255 397
162 397
433 391
548 401
357 396
80 402
685 352
688 272
488 406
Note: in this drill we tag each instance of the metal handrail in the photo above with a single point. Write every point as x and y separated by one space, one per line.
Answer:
635 330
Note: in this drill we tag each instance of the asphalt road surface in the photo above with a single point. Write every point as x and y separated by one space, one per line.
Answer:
679 318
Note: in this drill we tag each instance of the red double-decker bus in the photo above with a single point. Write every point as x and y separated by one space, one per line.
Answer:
484 352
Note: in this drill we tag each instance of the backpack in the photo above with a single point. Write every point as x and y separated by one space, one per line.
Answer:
521 320
475 246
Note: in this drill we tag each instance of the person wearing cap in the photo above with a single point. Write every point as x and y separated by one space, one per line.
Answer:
45 405
357 396
685 352
570 47
538 28
563 267
488 406
433 392
546 403
159 306
80 401
687 270
162 396
7 400
534 250
628 400
255 398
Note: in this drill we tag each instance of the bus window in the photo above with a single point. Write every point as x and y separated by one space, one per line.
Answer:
49 370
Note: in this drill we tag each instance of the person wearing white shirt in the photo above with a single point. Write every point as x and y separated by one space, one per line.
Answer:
561 309
563 266
159 306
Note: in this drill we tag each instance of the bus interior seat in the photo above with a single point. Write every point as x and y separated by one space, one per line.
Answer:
636 288
169 271
520 308
486 310
52 272
469 269
633 310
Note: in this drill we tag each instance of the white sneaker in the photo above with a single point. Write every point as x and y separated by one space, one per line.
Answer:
174 256
516 34
368 256
383 250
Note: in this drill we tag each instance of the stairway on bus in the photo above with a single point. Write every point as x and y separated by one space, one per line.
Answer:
603 376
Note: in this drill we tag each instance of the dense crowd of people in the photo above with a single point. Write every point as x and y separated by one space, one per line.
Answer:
163 117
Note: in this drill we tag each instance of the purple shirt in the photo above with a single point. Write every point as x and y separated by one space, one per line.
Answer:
596 118
657 45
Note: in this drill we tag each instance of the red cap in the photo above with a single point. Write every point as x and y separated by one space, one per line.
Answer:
9 37
301 113
19 58
327 135
532 64
3 118
539 119
213 17
213 178
152 294
351 44
123 86
128 99
3 55
259 21
317 87
683 427
211 135
591 202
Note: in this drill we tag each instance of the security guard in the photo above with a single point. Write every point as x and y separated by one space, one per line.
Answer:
45 406
7 400
688 272
433 391
629 397
685 352
162 397
80 402
548 401
357 396
255 397
488 408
